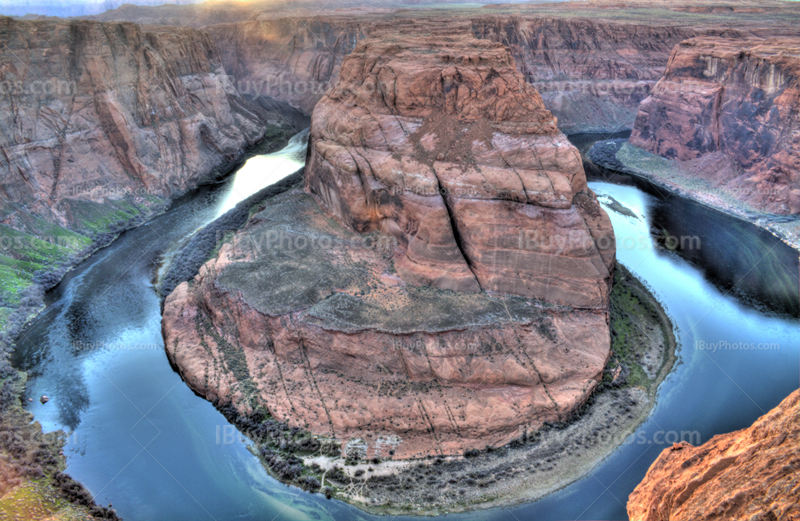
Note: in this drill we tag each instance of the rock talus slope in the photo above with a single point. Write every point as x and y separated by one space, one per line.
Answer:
396 310
748 475
731 100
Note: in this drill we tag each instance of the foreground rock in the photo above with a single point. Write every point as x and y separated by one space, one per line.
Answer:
727 107
745 475
415 321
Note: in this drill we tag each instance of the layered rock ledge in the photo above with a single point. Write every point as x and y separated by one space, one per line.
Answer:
432 137
746 475
397 310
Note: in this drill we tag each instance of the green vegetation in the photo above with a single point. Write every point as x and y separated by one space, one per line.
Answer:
640 333
90 217
37 499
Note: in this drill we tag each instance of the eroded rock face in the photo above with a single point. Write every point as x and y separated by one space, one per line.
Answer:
103 111
737 98
364 313
305 318
440 143
291 59
746 475
592 74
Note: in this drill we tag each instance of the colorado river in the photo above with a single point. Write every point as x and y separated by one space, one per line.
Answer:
141 440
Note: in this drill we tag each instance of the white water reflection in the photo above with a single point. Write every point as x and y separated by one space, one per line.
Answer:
261 171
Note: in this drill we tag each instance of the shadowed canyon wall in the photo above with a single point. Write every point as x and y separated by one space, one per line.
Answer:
731 101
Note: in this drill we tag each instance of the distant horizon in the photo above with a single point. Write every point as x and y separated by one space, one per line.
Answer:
77 8
70 8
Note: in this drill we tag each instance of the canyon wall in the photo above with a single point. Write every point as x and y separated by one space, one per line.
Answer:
731 100
291 59
94 111
746 475
591 74
101 124
399 310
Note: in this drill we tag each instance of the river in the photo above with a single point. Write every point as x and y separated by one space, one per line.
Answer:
140 439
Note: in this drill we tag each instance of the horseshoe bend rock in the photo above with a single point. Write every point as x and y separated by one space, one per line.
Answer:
745 475
390 305
440 143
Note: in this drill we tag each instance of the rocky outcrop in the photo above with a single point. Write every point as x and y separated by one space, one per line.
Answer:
746 475
453 155
731 101
413 322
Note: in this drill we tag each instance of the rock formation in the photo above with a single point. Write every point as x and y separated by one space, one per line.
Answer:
731 101
592 74
455 156
94 111
398 311
746 475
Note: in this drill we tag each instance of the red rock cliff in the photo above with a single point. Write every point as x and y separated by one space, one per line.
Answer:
440 142
748 475
734 98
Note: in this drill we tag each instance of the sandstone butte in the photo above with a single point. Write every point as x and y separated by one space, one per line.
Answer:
96 112
397 308
747 475
730 106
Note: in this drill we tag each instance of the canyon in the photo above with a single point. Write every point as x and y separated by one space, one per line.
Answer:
592 74
413 331
439 285
745 475
592 64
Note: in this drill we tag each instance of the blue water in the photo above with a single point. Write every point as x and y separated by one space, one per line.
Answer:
141 440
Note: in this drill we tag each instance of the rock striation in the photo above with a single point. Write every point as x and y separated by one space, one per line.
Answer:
746 475
294 59
592 74
395 308
731 101
453 154
100 111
